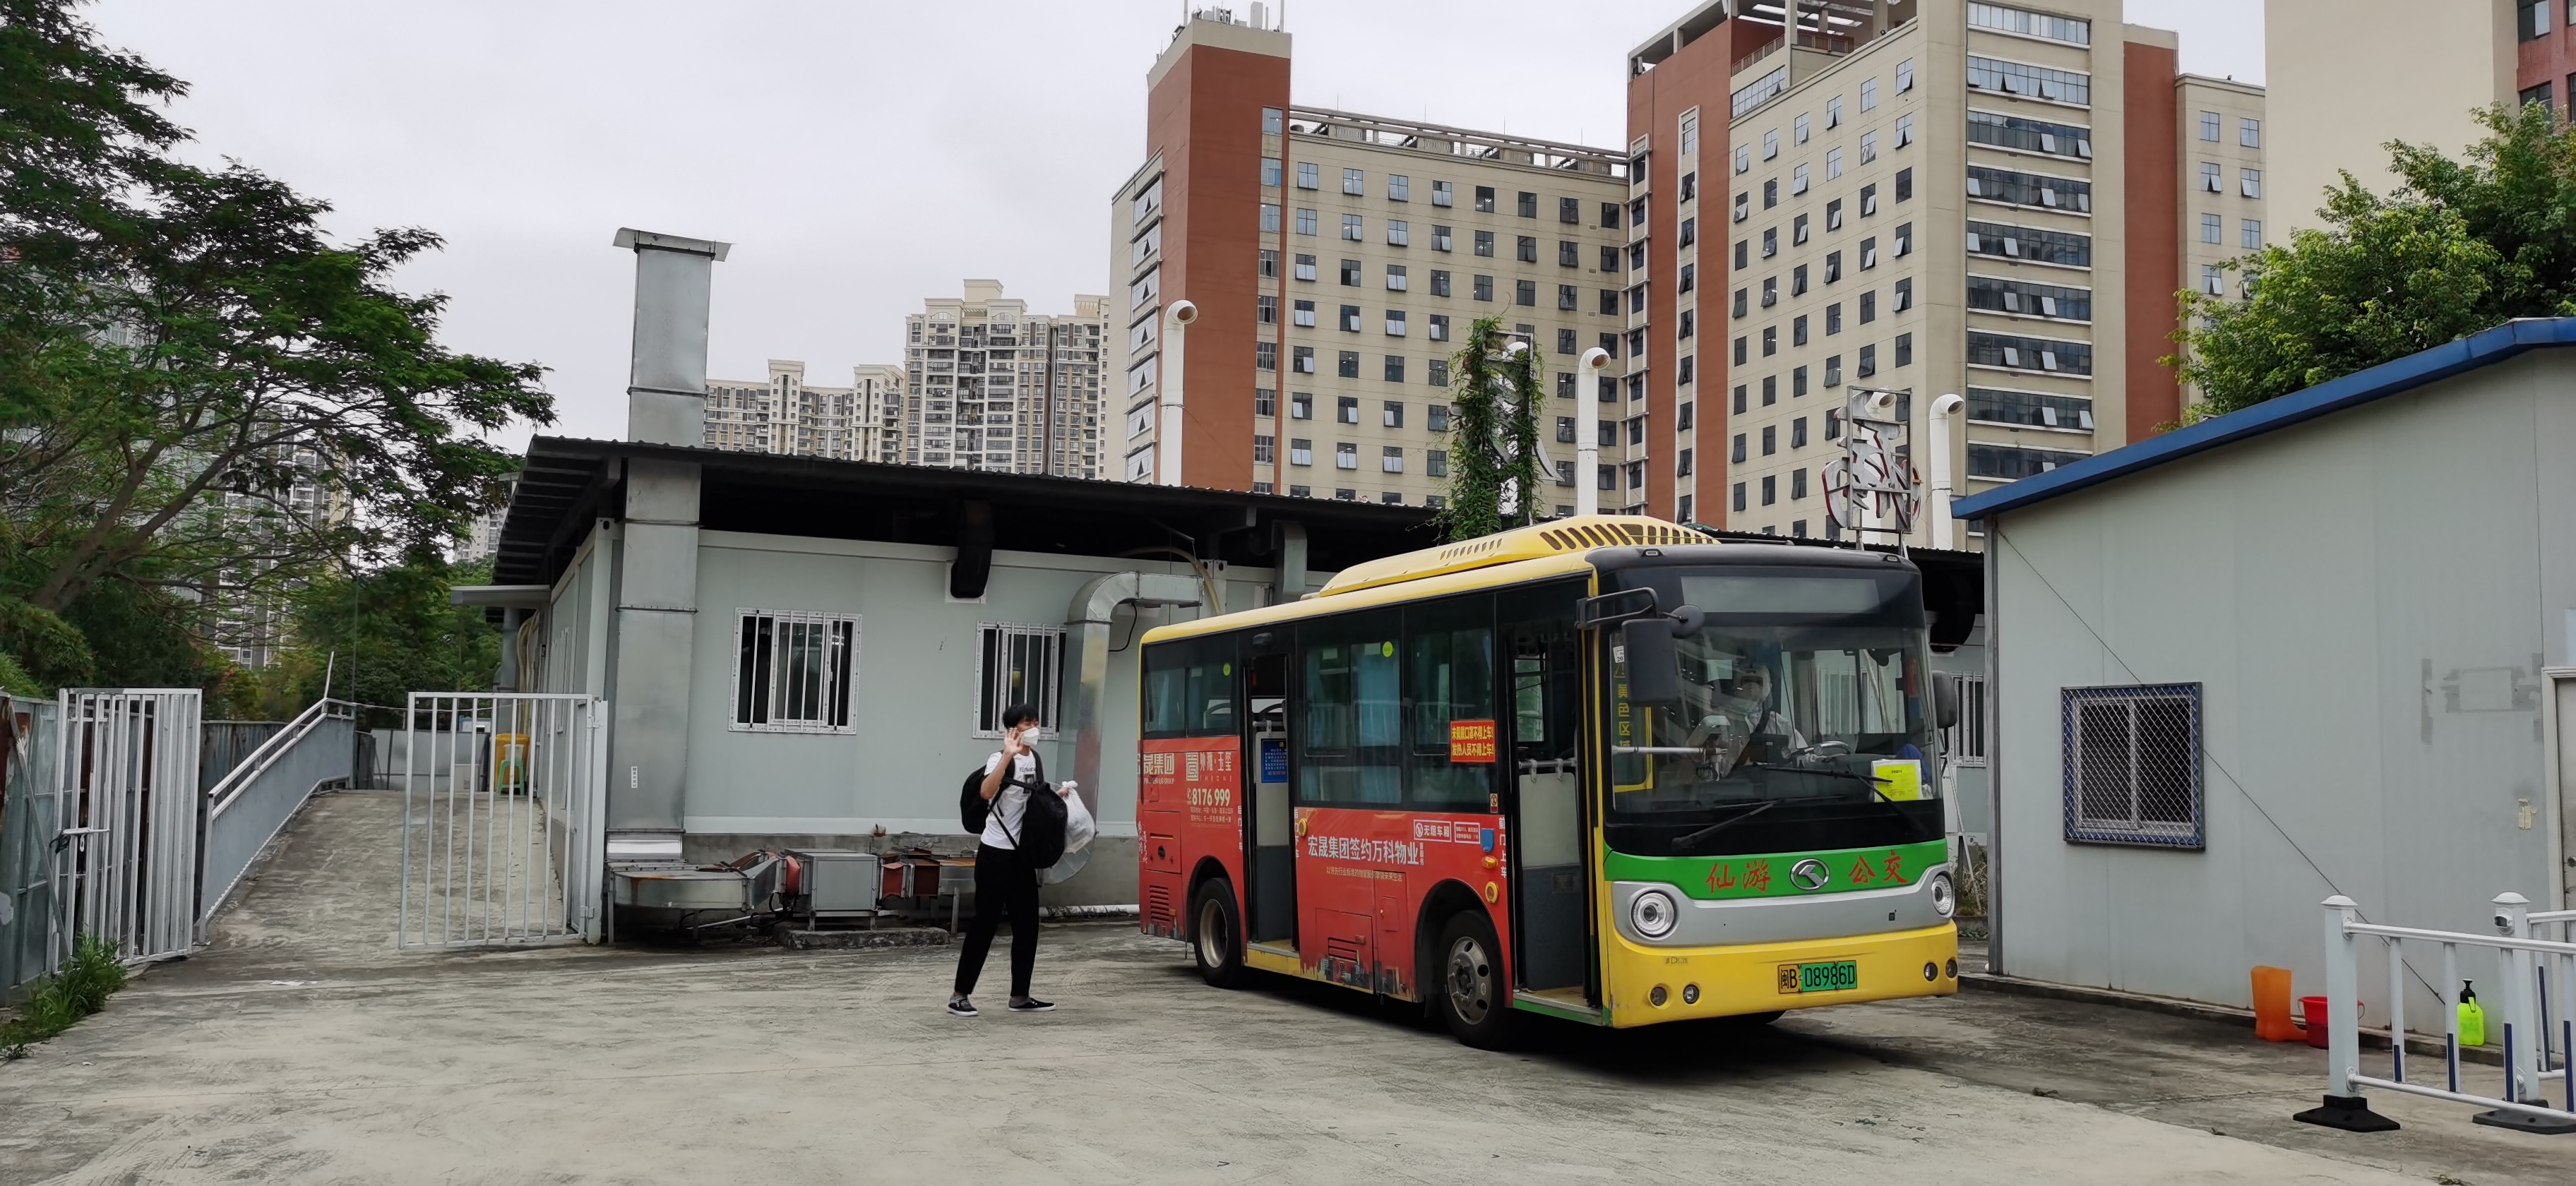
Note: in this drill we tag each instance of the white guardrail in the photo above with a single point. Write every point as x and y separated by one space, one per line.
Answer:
2532 1033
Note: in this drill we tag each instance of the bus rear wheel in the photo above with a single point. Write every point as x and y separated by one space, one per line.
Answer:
1470 987
1216 933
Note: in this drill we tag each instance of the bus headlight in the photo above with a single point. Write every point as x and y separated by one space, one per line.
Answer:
1945 899
1653 913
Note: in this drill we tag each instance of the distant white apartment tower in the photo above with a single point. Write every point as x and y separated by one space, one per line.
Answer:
483 539
785 415
989 385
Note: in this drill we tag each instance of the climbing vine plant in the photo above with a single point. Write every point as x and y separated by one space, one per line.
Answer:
1494 464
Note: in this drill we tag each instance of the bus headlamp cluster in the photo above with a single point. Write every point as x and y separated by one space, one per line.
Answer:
1945 898
1653 913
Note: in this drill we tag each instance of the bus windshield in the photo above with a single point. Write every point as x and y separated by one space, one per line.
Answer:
1803 720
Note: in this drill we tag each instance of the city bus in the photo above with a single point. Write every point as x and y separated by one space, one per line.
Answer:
1603 769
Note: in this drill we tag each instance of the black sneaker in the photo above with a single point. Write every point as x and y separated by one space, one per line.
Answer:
962 1007
1032 1005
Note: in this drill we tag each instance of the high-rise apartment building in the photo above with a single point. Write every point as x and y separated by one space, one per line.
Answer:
860 422
1335 260
2221 164
989 385
1923 196
2344 77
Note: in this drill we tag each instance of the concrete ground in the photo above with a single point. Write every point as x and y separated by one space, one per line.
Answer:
301 1048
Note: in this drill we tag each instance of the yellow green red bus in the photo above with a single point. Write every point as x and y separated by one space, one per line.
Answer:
1604 769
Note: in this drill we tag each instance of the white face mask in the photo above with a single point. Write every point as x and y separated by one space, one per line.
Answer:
1033 733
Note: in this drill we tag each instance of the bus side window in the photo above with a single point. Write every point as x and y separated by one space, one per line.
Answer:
1449 648
1348 672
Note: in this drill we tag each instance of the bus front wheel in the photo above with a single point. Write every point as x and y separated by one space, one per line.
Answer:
1470 988
1216 934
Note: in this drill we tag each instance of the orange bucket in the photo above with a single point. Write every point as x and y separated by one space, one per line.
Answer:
2272 1005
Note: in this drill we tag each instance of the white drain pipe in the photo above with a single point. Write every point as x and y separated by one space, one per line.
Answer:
1167 427
1944 528
1587 432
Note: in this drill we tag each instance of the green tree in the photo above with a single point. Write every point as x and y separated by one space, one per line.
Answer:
2458 247
202 389
1494 462
379 636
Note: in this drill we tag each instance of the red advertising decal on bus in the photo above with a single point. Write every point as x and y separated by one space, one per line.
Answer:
1471 741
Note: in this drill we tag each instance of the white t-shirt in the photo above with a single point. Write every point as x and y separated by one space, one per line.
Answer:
1003 821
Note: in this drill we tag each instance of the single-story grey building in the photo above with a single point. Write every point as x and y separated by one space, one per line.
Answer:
2317 646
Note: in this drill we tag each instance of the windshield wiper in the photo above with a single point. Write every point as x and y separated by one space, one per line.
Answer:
1877 797
1724 824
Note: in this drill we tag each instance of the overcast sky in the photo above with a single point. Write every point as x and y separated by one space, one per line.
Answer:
860 156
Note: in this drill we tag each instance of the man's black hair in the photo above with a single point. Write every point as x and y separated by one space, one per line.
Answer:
1018 713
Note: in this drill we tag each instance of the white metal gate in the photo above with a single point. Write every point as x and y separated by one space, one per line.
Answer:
503 800
125 860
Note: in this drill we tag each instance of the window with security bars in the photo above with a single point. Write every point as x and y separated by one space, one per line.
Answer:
1017 665
2132 765
1965 742
792 671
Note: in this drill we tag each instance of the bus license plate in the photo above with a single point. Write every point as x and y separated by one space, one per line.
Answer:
1834 977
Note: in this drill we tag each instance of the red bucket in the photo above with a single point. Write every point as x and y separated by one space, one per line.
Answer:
2314 1010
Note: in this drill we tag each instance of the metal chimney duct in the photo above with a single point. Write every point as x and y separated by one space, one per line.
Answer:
666 393
657 556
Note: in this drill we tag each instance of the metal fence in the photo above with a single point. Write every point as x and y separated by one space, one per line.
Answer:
29 737
251 802
2525 967
504 799
223 745
125 810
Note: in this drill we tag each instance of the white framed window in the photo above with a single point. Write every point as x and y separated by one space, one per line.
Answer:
793 671
1017 664
2132 765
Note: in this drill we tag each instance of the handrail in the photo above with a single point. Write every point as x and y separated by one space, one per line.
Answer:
229 788
2502 942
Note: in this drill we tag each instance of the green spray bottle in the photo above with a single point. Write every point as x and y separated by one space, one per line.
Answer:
2473 1019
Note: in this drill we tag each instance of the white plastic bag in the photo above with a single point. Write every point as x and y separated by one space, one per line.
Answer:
1079 828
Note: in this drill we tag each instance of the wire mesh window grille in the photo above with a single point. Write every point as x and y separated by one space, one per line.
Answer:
1018 665
2132 765
1965 742
792 671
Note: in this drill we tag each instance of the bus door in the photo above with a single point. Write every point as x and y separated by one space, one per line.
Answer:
1272 907
1552 882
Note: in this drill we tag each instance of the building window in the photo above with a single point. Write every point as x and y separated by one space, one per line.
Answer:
1354 182
1350 319
1771 193
1391 459
1834 215
1394 367
1739 398
1868 147
2071 30
1868 361
1265 449
793 671
1609 302
1435 463
2030 135
2209 175
1905 76
1770 341
1565 341
1525 292
1352 228
1301 452
1741 295
1771 145
1440 321
1266 309
1399 233
1301 404
1833 119
1270 170
2030 82
1265 356
1904 349
1399 188
1346 455
1797 181
1770 489
2250 181
2531 19
1303 313
1269 264
1395 323
1305 264
1273 121
1439 238
2132 765
1436 373
1350 273
1397 280
1017 665
1439 282
1484 199
2209 126
1868 95
1798 490
1833 163
1442 195
2210 226
1904 298
1569 255
1682 465
2251 234
1868 200
2033 354
1735 496
1528 204
1527 249
1485 243
1265 401
1569 211
1305 223
1348 366
1483 289
1307 176
2249 132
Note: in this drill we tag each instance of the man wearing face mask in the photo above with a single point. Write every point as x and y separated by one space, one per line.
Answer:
1002 881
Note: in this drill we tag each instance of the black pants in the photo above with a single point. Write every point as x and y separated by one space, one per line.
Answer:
1002 882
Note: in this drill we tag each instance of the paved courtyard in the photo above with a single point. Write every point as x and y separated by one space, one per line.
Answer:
300 1048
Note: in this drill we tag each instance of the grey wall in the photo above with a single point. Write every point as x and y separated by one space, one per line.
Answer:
2323 583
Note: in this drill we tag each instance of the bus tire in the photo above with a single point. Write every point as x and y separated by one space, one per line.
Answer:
1469 983
1216 933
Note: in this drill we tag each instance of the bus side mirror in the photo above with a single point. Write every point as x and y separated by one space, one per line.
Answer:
1654 670
1945 699
1612 608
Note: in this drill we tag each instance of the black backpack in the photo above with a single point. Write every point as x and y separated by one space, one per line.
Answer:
1042 822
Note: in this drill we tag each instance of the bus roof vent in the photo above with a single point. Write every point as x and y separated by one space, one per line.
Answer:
1521 543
